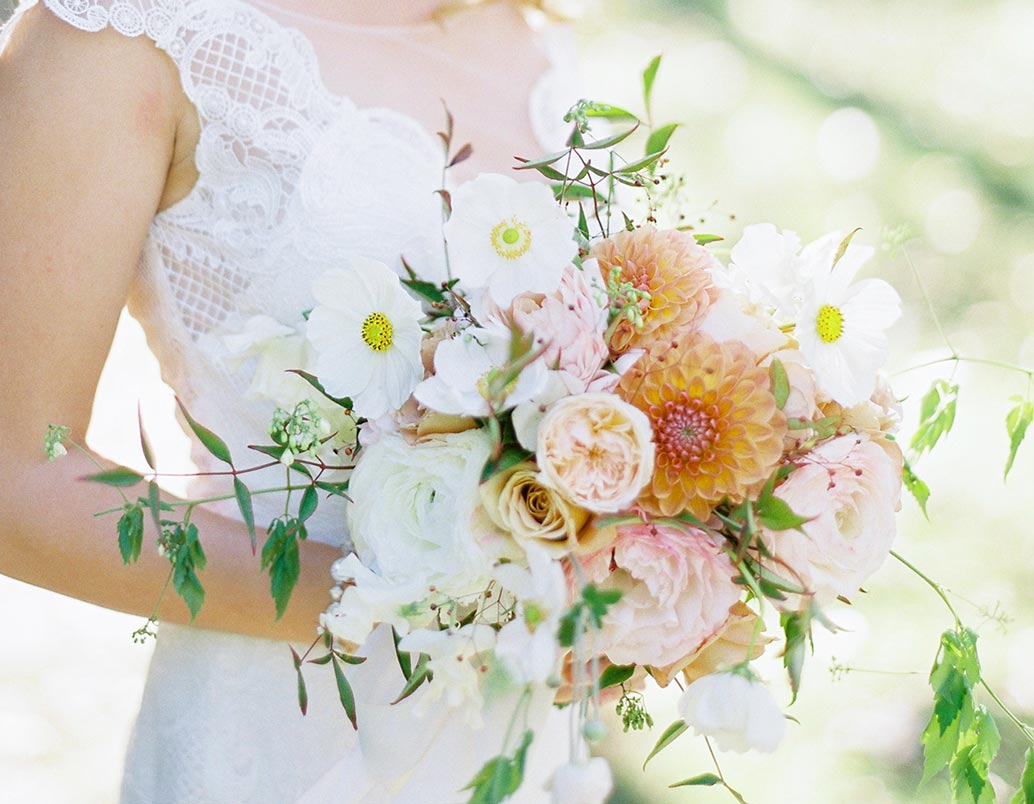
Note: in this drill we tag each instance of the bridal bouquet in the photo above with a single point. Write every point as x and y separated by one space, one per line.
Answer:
587 459
594 454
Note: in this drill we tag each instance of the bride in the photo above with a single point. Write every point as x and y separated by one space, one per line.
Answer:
203 160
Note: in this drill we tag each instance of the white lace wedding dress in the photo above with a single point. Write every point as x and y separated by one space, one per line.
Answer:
292 180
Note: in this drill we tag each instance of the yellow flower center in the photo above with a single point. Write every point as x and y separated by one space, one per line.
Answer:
829 323
511 238
378 332
487 384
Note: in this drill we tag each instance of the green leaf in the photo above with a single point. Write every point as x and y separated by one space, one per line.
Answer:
213 443
916 487
310 500
649 76
247 509
670 735
780 383
616 674
797 630
420 674
1016 423
597 601
343 402
511 455
842 248
339 489
775 514
145 446
659 137
970 767
544 161
131 533
640 164
501 776
303 695
120 477
611 141
1025 795
280 556
704 239
344 691
936 415
607 111
703 780
402 657
427 290
156 505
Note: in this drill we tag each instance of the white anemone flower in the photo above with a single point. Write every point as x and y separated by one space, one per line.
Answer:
737 712
588 782
366 333
841 327
462 370
509 237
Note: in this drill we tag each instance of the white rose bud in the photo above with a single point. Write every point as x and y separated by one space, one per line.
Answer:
737 712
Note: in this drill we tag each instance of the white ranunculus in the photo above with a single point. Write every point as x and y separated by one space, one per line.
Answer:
456 659
587 782
737 712
365 330
764 264
412 508
509 237
461 369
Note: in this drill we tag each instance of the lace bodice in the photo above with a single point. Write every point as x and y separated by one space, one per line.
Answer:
292 180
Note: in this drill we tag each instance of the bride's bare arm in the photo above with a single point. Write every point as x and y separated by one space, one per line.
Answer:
88 124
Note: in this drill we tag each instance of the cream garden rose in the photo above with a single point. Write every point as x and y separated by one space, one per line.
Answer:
596 450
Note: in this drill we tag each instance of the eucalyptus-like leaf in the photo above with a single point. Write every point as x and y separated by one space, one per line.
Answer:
670 735
703 780
120 477
611 141
344 691
343 402
545 161
641 164
420 674
303 694
213 443
842 248
659 138
649 76
338 489
145 445
797 629
247 510
704 239
131 533
775 514
307 507
461 155
404 659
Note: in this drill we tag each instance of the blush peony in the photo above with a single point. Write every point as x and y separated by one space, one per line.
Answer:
596 450
677 592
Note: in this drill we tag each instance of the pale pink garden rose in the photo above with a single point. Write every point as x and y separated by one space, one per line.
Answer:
677 592
569 324
850 488
596 450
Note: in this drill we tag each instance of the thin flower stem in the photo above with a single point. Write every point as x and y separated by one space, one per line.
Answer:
926 299
981 361
931 583
721 776
1026 730
203 500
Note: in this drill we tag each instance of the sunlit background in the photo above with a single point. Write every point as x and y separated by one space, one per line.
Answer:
814 115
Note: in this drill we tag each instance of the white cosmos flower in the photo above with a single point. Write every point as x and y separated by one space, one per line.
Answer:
737 712
462 367
509 237
366 333
841 327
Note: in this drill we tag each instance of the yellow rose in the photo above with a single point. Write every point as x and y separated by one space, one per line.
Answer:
517 502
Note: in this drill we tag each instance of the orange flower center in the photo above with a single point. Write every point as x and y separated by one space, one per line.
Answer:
686 430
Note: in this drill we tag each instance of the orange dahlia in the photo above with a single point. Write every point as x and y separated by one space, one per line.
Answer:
673 268
716 427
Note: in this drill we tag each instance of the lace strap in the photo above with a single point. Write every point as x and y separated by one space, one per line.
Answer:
128 17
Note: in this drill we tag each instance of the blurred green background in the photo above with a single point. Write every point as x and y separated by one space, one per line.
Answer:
814 115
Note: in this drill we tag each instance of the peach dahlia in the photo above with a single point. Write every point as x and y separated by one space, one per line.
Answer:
717 430
673 268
